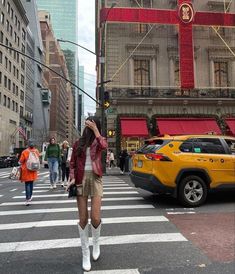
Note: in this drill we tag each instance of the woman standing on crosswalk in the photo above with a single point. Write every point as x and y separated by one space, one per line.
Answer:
86 173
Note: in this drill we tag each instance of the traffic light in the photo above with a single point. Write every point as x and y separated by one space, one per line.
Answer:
111 133
106 99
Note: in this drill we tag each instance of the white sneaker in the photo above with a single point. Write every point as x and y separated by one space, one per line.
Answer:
51 186
30 200
27 203
54 185
62 184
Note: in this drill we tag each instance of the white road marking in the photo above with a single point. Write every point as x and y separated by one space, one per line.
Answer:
108 240
70 209
41 173
14 189
116 271
117 220
115 187
69 201
45 176
37 191
181 213
5 176
66 195
1 195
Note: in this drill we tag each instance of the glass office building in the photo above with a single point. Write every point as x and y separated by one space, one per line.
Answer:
64 19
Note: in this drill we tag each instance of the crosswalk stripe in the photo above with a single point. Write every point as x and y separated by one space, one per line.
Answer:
38 191
5 176
105 184
68 201
14 189
1 195
115 220
70 209
104 187
75 242
66 195
116 271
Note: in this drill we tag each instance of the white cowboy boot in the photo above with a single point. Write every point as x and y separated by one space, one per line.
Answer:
86 263
95 241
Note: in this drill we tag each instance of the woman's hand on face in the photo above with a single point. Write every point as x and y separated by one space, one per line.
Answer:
91 125
71 182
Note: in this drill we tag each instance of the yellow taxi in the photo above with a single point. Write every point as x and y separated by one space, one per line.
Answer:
185 166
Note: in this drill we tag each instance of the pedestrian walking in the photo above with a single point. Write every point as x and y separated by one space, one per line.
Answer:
30 163
122 160
53 157
86 173
111 159
65 163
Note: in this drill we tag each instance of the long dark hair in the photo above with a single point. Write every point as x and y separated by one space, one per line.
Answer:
88 135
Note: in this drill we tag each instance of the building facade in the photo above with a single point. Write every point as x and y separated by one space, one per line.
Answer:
61 109
36 86
166 70
64 18
13 33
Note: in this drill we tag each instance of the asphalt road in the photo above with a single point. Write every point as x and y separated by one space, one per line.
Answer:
142 233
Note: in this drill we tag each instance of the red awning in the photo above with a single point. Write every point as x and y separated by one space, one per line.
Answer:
134 127
231 124
175 126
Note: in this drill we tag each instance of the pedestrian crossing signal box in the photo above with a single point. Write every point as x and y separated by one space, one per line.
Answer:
111 133
106 100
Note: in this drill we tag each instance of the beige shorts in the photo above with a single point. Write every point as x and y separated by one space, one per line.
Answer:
91 185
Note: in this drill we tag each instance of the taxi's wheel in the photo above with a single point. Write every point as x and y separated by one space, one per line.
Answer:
192 191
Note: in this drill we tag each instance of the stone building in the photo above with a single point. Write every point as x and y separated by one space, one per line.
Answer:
61 109
13 25
171 71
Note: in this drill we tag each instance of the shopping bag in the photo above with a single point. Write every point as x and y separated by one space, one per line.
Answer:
15 173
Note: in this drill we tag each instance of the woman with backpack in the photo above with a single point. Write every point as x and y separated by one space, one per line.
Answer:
29 161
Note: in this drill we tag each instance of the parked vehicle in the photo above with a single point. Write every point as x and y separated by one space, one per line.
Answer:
185 166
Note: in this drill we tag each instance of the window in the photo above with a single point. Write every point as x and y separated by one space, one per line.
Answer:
231 145
6 62
21 111
15 22
3 2
17 90
208 145
21 95
14 88
16 107
22 64
221 74
13 105
5 81
9 84
22 79
0 57
4 100
11 30
142 72
9 66
7 25
23 34
1 37
8 8
23 48
8 102
2 18
0 77
177 73
12 13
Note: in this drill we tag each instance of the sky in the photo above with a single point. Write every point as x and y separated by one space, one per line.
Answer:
86 38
